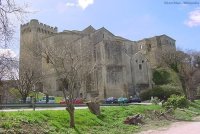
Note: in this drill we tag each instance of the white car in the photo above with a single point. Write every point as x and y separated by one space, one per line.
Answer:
51 99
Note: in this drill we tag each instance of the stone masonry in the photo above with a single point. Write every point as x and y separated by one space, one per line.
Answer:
124 66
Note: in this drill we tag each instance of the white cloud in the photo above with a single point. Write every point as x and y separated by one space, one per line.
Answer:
194 18
85 3
70 4
7 53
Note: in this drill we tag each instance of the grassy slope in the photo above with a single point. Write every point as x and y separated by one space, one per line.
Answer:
110 121
188 114
174 83
173 77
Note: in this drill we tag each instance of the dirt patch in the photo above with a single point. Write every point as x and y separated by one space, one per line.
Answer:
191 127
197 118
177 128
156 119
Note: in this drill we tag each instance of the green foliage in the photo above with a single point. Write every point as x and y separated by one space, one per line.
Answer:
161 76
58 99
15 92
162 92
6 125
110 121
176 101
175 67
167 83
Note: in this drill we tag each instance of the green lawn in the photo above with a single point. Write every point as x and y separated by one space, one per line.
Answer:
109 122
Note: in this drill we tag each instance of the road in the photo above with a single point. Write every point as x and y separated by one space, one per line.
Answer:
178 128
38 109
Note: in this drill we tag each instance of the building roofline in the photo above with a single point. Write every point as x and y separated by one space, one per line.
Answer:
167 36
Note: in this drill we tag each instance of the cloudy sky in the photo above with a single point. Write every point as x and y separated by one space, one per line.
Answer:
132 19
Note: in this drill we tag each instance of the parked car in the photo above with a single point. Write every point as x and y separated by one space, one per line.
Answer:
122 100
78 101
135 99
111 100
50 100
28 100
75 101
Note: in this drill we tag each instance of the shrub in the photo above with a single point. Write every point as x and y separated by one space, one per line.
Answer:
176 101
146 95
161 76
162 92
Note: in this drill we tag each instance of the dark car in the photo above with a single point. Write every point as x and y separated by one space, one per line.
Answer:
135 99
111 100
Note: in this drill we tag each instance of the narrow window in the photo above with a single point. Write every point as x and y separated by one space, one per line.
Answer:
47 59
95 53
140 66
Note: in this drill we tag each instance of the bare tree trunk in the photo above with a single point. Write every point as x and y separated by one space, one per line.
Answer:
94 107
23 99
70 108
184 85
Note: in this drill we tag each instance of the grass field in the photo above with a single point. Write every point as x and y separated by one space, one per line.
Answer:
109 122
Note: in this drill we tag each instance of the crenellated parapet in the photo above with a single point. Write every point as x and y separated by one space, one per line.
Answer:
35 25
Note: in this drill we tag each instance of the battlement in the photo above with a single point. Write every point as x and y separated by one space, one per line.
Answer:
40 27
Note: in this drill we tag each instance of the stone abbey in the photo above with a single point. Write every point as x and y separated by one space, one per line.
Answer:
124 66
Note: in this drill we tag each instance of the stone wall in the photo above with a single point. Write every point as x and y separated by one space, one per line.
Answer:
31 36
153 47
123 67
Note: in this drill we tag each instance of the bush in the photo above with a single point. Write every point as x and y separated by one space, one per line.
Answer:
161 76
176 101
146 95
162 92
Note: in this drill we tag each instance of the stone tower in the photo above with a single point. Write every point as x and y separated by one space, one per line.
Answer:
153 48
31 35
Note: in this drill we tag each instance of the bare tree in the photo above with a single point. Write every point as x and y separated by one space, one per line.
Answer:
173 59
187 70
73 65
9 10
25 82
192 73
6 67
